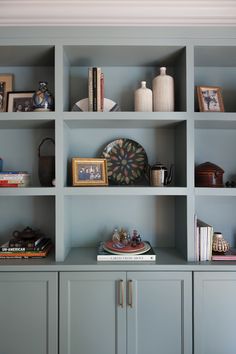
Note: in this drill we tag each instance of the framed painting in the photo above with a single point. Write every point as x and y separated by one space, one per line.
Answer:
210 99
89 172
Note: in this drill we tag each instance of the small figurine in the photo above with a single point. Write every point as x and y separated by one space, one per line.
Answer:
135 239
116 236
124 237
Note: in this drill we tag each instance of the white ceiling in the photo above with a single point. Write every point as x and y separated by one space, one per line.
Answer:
118 12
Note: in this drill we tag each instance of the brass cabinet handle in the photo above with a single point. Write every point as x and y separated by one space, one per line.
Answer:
130 294
121 293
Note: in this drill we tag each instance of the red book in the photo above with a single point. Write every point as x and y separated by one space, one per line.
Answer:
7 184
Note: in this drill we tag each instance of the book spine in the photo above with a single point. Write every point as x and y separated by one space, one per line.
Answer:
95 89
9 177
102 91
26 253
6 184
37 247
13 173
90 89
99 90
135 258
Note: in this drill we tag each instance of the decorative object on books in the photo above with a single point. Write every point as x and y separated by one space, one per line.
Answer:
143 99
46 165
14 179
126 161
26 234
119 248
163 92
208 174
20 101
121 242
82 106
160 176
6 85
219 244
210 99
42 98
89 172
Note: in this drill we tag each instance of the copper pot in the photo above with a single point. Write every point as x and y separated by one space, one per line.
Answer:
208 174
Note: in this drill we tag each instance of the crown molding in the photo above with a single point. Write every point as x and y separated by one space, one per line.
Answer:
117 13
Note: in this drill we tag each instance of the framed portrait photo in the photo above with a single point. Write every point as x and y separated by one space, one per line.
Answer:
6 85
20 101
89 172
210 99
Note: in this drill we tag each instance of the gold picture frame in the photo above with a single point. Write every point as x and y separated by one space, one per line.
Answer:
89 172
6 85
210 99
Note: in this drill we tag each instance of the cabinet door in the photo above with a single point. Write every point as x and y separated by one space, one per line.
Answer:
92 313
28 307
214 312
159 313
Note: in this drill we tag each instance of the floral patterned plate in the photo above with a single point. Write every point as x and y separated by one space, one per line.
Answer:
126 161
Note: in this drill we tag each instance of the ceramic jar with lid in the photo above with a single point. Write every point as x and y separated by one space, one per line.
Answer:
208 174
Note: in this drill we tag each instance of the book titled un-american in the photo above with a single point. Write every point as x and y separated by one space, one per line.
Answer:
103 255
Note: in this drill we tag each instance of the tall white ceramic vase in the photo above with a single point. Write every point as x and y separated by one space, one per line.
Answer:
143 99
163 92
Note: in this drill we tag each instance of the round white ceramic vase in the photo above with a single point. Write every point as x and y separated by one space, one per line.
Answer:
143 99
163 92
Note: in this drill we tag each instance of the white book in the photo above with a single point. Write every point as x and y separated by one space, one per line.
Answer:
103 255
205 240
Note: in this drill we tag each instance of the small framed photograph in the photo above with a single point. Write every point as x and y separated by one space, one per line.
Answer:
210 99
6 85
89 172
20 101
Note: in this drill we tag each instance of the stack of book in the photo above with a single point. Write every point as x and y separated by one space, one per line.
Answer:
95 89
203 241
22 248
14 179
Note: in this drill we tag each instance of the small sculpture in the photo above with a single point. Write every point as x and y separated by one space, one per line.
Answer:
135 239
124 236
116 236
43 99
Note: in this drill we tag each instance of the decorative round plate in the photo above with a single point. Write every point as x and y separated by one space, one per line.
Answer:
126 161
82 106
110 247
